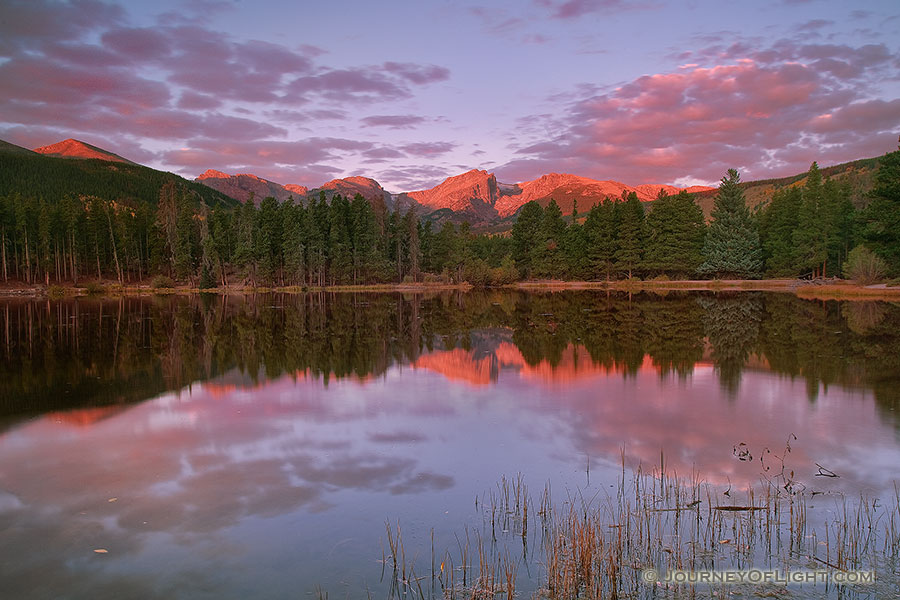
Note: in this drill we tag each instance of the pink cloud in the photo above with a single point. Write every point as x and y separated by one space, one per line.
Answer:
749 114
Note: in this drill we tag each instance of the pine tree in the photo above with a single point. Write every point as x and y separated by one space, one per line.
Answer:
317 253
629 253
294 240
811 236
601 231
778 221
731 247
4 227
881 218
575 247
525 236
549 259
675 232
245 242
410 229
339 249
268 239
184 241
364 239
208 259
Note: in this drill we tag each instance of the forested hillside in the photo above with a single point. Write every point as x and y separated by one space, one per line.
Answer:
53 178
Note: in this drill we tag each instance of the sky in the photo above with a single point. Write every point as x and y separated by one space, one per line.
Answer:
412 92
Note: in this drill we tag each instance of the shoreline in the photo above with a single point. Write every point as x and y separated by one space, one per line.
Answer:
811 290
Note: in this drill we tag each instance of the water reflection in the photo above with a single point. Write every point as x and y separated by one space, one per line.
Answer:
284 430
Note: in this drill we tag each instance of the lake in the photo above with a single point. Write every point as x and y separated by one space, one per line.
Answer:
274 446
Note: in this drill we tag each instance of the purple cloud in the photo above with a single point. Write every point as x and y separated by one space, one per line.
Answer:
393 121
32 23
428 149
418 74
572 9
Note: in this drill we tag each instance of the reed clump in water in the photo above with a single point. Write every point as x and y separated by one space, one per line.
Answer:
602 547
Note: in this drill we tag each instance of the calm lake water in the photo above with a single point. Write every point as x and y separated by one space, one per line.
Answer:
256 447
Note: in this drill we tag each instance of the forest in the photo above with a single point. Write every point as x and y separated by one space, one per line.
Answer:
813 230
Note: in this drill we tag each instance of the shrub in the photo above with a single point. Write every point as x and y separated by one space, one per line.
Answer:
162 282
56 292
94 288
864 266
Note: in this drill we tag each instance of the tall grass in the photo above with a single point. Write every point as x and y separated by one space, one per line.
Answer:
599 547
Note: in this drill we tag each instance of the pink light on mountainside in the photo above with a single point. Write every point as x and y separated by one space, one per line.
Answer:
243 185
72 148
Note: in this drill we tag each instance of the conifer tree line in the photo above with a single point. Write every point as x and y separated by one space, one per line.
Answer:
809 230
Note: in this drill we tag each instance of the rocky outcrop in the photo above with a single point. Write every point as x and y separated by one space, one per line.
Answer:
472 194
246 185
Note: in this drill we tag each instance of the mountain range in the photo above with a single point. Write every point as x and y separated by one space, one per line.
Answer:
475 196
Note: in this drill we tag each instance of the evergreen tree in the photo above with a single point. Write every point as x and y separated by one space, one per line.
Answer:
223 236
630 240
410 230
525 236
881 218
601 231
675 232
245 242
268 243
550 260
841 216
294 240
426 237
364 240
575 247
811 236
778 221
731 247
4 227
317 253
185 243
208 258
339 244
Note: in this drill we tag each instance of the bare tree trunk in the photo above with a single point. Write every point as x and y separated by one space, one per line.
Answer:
3 246
73 259
112 240
27 259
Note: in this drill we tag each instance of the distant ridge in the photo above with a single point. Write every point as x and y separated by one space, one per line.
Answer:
244 185
72 148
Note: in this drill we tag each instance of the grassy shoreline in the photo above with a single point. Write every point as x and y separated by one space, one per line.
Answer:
812 290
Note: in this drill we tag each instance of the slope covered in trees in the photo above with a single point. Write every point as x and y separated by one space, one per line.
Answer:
53 178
